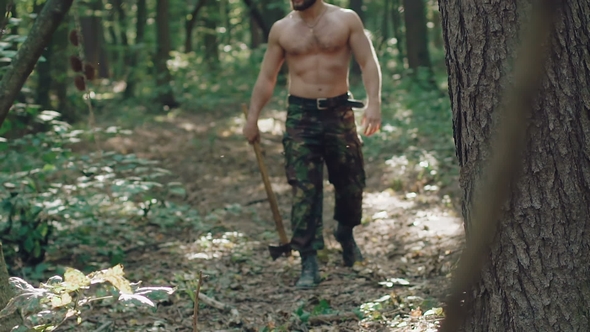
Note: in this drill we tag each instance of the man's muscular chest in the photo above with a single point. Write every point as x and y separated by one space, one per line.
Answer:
329 37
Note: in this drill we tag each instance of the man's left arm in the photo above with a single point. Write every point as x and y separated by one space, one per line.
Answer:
365 56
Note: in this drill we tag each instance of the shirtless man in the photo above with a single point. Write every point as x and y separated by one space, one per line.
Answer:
317 41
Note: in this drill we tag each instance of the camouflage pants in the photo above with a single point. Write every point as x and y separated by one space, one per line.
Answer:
314 137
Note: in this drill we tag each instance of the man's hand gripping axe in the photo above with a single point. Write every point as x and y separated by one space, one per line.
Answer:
284 248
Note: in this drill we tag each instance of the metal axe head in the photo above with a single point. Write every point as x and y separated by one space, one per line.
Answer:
278 251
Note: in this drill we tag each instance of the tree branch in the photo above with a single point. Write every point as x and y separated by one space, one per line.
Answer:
23 63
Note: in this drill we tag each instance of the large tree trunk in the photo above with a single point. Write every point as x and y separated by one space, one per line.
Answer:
163 76
536 278
416 34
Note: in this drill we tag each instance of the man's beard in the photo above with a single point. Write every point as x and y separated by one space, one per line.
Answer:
306 4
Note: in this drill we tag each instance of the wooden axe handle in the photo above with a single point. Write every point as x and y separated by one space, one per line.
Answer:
269 193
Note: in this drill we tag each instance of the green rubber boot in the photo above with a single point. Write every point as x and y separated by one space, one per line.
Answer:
350 251
310 274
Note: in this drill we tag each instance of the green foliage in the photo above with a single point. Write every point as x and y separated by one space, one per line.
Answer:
52 195
205 89
47 307
321 307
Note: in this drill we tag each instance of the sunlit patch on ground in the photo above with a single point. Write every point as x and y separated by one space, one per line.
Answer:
211 246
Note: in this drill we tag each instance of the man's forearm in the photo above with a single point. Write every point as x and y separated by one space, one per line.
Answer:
261 94
372 81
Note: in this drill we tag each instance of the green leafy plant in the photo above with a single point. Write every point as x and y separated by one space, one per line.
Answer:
48 306
54 199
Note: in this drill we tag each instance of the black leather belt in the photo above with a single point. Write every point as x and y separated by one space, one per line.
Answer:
325 103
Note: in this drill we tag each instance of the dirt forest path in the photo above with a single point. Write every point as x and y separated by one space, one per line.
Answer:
410 241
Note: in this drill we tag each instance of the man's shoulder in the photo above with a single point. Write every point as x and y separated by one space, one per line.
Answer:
344 14
283 22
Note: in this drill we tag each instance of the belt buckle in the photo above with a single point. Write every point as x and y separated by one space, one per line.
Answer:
317 103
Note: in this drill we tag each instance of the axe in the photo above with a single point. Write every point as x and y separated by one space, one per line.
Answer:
284 248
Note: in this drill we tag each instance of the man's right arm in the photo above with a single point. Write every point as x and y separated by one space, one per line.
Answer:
267 78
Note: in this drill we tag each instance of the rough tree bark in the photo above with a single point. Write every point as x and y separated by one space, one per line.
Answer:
536 277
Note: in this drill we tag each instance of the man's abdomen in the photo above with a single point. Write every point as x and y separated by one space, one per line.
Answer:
318 75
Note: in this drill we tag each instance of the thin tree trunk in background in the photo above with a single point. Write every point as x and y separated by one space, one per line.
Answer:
113 50
44 77
210 39
536 276
163 76
3 4
122 19
190 24
256 15
416 34
121 42
140 23
14 29
385 24
228 25
437 40
94 50
397 24
255 34
60 66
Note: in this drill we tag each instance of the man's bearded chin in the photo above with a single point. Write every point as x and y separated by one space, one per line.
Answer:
301 7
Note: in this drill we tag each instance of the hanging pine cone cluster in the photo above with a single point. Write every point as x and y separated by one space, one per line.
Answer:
86 71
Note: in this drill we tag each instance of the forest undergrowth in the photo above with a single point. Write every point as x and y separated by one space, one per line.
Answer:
175 195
